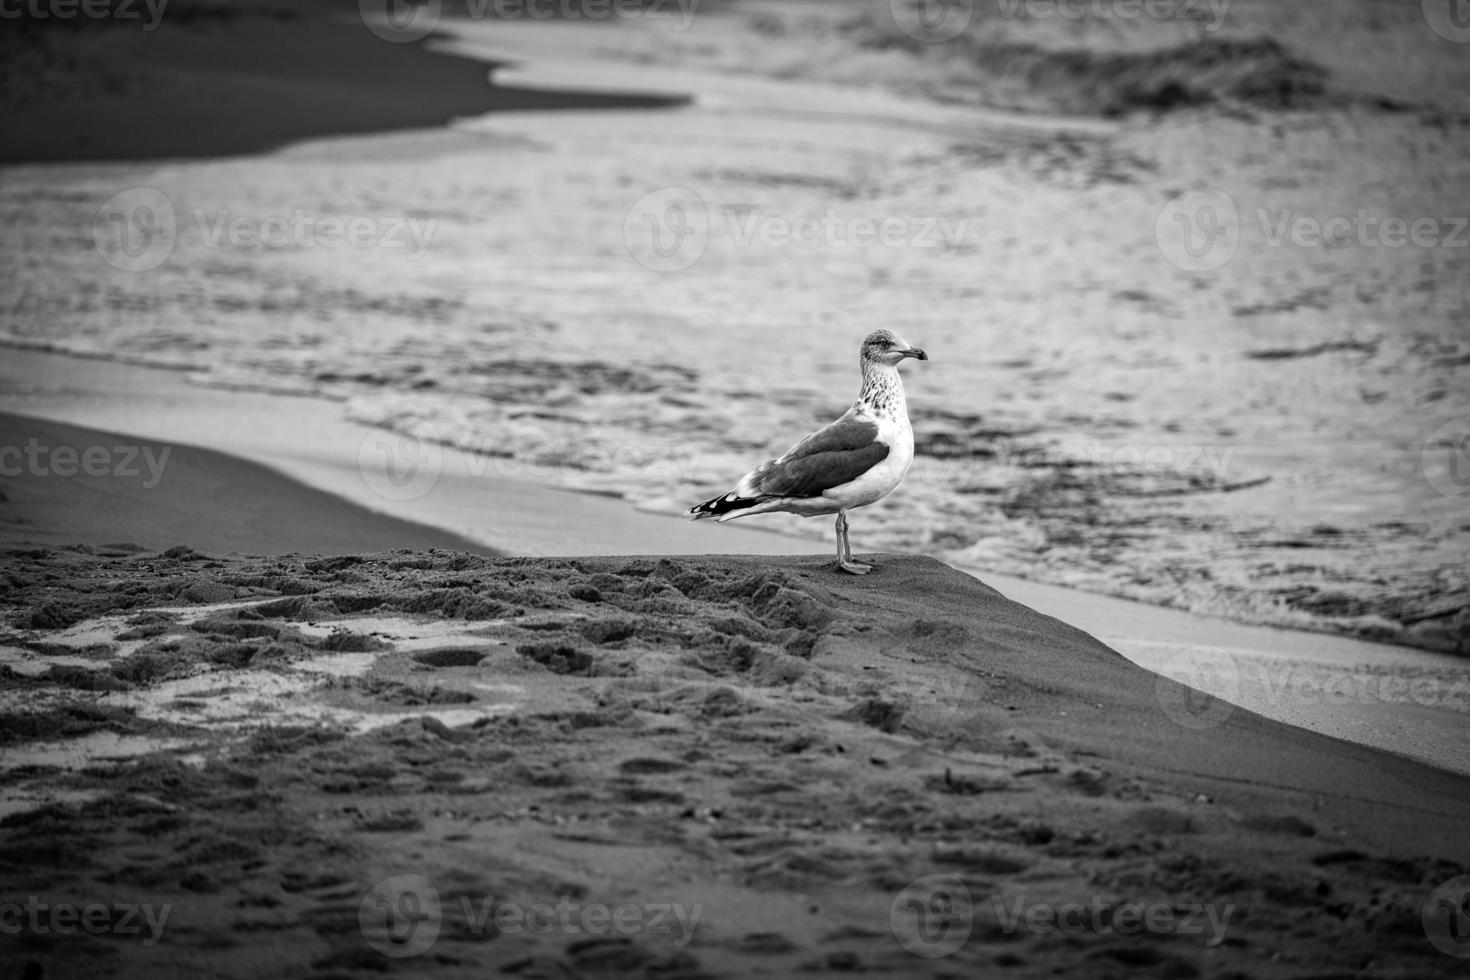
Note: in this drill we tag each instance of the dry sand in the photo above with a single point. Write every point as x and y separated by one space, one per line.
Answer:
786 749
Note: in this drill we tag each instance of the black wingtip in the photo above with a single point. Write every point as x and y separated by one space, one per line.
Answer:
719 506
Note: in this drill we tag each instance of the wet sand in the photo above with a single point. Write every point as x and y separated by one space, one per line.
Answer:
219 80
62 485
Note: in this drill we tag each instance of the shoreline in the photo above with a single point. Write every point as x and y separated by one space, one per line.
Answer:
322 72
1291 676
121 494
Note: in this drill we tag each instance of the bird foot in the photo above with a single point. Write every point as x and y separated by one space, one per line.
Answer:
856 568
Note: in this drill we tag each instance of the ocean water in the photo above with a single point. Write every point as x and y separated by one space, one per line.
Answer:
647 303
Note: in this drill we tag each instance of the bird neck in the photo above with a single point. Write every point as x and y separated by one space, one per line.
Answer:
882 391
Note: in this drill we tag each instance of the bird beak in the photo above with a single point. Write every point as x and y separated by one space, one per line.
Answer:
917 353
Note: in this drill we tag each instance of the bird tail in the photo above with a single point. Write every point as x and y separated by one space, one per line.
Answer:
717 507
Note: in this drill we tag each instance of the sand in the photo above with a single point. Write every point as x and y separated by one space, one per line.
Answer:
1412 703
81 486
790 752
785 755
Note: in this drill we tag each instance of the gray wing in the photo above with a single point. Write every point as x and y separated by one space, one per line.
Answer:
837 454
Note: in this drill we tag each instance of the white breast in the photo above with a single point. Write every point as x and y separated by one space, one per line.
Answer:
883 478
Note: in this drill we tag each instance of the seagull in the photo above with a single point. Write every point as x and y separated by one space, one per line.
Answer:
852 462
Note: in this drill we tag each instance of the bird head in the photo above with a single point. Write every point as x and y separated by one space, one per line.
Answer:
882 347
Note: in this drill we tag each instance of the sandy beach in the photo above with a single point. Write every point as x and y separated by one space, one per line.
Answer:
770 766
1408 702
1272 439
787 751
349 398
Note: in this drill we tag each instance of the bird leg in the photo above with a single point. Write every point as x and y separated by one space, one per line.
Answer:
844 550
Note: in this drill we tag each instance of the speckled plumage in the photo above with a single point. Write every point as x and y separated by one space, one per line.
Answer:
882 391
